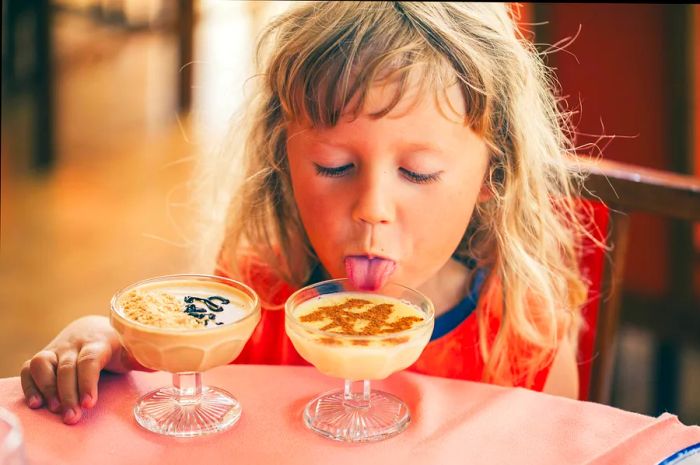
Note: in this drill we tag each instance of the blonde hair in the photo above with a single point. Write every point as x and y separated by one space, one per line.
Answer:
318 61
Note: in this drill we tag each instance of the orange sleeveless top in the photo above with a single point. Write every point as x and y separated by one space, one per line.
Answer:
454 355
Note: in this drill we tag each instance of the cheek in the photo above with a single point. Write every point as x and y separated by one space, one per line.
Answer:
438 227
443 221
316 210
321 210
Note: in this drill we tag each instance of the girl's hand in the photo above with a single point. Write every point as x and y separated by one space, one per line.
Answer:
63 376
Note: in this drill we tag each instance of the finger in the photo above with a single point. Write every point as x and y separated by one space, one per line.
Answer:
67 384
31 393
43 370
91 359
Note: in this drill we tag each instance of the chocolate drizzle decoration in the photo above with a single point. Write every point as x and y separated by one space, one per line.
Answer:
211 306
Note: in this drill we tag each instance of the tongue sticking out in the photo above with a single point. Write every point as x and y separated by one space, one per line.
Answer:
369 274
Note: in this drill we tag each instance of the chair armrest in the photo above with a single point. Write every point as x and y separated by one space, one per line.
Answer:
634 188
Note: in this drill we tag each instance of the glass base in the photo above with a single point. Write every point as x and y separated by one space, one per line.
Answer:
355 420
163 411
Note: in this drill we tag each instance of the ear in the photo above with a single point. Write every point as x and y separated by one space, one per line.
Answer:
485 194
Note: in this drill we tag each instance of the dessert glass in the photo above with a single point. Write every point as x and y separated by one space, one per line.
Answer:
364 415
188 408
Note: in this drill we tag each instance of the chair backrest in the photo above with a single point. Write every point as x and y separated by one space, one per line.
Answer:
612 191
592 264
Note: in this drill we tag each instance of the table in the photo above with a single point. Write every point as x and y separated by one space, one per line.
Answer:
453 422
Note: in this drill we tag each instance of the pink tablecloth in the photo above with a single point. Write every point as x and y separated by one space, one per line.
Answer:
453 422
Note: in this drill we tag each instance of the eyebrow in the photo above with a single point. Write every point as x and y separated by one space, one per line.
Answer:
419 146
318 140
405 147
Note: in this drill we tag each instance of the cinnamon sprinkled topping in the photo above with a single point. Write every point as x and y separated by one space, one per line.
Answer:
343 318
158 309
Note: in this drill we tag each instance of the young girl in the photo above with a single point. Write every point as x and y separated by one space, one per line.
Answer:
414 142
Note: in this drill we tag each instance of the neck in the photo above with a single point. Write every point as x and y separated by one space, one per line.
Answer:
448 287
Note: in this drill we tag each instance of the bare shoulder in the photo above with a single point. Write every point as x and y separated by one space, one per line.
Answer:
563 374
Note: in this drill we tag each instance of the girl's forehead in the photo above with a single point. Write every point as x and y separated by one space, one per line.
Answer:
415 102
421 124
449 102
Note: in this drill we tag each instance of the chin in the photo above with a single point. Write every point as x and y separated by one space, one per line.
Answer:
400 278
414 282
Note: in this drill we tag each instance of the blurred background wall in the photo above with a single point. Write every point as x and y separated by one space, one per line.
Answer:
631 72
106 105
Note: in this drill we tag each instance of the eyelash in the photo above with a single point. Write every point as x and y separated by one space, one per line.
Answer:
413 177
420 178
331 172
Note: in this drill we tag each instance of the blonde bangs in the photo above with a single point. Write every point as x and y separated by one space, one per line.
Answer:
326 69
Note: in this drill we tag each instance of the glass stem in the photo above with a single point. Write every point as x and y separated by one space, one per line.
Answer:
357 399
188 386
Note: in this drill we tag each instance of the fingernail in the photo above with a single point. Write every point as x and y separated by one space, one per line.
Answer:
87 401
34 401
54 405
70 416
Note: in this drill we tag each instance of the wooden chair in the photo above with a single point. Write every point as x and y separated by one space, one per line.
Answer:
613 191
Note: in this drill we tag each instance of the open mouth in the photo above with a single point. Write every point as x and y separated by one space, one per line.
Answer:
368 274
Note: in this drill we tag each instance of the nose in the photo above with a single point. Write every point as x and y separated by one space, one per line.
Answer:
374 203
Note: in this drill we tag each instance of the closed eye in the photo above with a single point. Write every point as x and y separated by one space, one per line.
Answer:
338 171
332 172
420 178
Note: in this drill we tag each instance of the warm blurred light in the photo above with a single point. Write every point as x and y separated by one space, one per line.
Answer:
223 60
225 41
142 11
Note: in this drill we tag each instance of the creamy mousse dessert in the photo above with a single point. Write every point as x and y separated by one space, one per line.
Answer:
358 336
184 325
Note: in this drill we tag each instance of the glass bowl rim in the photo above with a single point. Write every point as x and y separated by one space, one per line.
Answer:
254 308
376 337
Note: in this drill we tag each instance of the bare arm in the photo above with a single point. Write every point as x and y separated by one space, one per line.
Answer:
563 374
